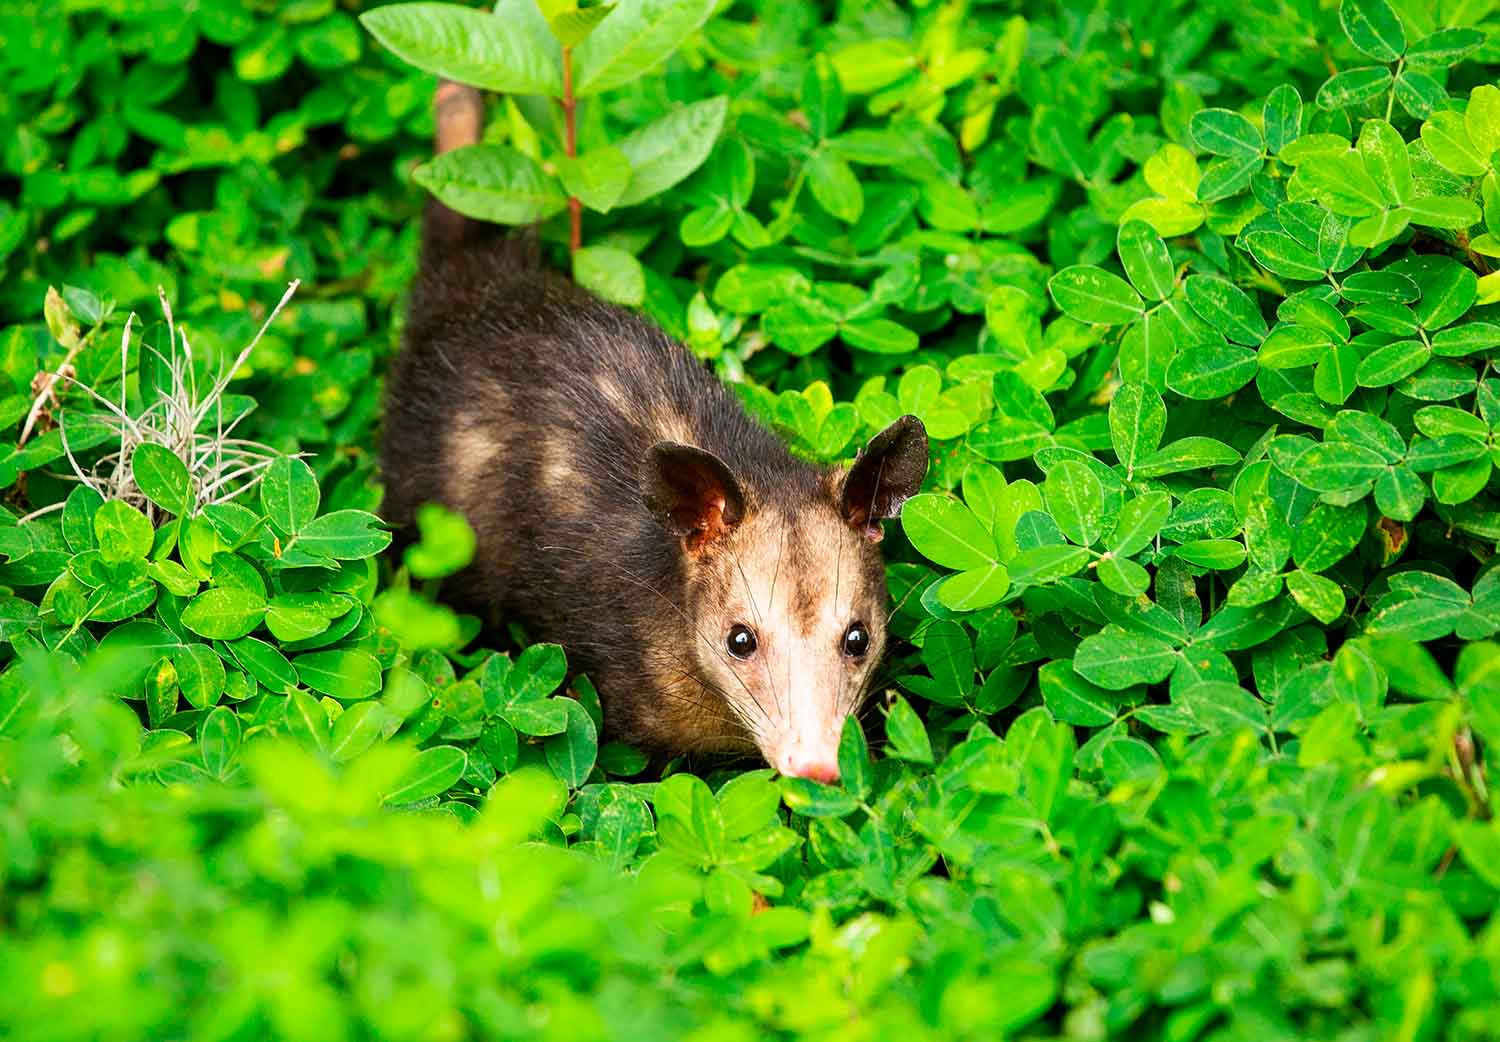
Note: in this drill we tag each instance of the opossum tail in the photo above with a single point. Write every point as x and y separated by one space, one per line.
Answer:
460 121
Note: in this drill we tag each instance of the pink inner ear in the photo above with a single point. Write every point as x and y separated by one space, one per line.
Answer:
860 520
704 520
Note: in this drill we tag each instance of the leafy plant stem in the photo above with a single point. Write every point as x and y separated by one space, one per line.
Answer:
46 391
1470 774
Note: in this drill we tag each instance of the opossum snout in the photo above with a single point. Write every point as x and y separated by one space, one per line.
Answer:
818 769
816 759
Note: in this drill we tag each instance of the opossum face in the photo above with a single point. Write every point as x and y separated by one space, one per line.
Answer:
786 599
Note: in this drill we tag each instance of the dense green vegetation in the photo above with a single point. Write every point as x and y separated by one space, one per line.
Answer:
1188 731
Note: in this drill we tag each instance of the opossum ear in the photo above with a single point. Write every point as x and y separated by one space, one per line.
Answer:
691 493
887 472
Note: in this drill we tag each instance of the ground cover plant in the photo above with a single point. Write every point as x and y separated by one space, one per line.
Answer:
1189 730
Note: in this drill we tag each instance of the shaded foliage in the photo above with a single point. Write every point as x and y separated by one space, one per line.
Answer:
1187 733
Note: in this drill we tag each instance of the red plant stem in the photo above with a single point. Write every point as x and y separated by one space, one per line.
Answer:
570 129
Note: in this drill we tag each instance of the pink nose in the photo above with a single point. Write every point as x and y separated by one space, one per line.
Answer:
818 770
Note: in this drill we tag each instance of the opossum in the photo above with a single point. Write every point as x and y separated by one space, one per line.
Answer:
721 594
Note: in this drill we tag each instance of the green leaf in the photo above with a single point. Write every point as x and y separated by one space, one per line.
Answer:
1124 576
1210 370
625 823
975 589
122 532
879 335
356 730
446 544
200 674
1482 118
948 206
1448 291
539 671
224 613
1116 659
1327 535
1140 521
289 495
1410 667
298 616
1447 137
1046 564
1320 597
1436 211
835 187
1419 94
636 37
1146 260
1137 420
1334 380
610 272
433 772
598 177
1228 176
946 531
492 183
1075 499
1340 182
868 65
707 225
1280 253
1445 46
854 759
1374 28
537 719
1336 466
1469 338
906 734
1354 87
812 800
671 147
823 99
1227 308
510 51
265 663
1384 154
162 478
1192 453
219 740
1094 295
1282 117
1365 287
571 754
1074 700
18 617
573 27
344 535
345 674
1225 133
1387 365
1222 707
949 656
78 518
307 721
1059 142
800 325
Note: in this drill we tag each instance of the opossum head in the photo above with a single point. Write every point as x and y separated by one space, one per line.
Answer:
786 595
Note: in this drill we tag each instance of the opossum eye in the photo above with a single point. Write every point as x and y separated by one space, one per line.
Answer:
856 641
741 642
